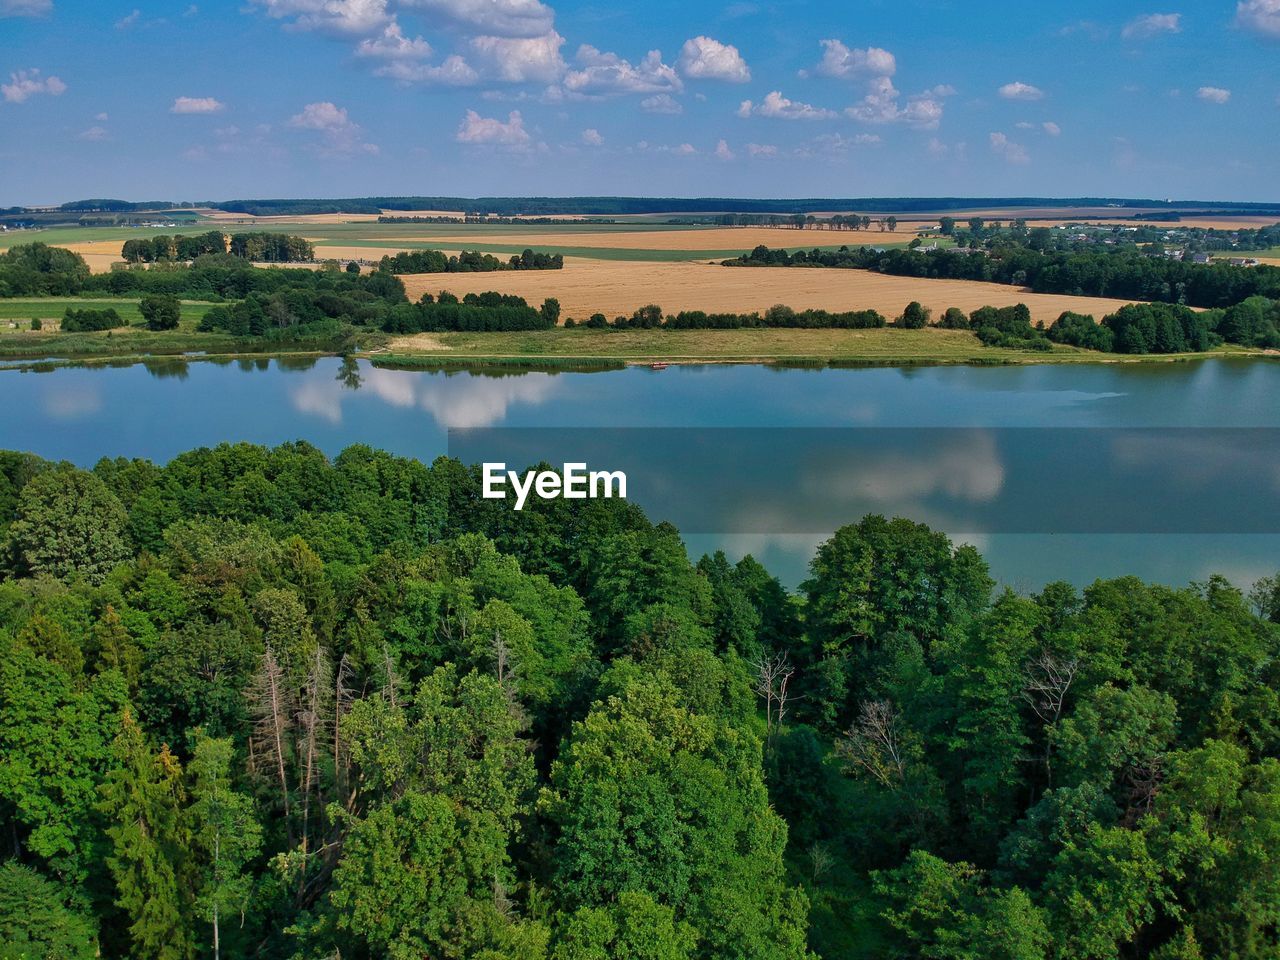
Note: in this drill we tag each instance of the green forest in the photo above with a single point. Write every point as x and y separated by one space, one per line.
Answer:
263 703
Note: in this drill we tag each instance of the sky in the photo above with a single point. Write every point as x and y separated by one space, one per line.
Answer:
212 100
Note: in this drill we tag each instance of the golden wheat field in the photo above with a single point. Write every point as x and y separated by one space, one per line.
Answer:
617 288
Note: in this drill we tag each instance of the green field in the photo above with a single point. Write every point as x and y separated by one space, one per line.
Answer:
53 308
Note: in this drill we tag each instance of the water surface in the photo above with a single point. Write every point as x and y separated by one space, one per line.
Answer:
157 411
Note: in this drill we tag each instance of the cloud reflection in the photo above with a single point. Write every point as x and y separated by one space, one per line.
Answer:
462 400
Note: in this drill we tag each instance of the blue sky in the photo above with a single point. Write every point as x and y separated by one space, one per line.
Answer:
264 98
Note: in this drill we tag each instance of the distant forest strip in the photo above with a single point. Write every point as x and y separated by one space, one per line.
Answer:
495 220
1124 276
468 261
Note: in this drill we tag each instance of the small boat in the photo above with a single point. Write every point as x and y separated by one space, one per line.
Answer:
659 366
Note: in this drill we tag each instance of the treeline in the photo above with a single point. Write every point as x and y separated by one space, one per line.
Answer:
294 707
474 313
37 269
1170 328
164 248
473 218
467 261
651 317
1122 275
263 247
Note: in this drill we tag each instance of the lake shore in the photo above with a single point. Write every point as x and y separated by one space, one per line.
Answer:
575 347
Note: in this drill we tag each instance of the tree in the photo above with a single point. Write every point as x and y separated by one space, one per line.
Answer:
224 831
55 736
551 311
35 920
632 928
69 524
947 225
648 797
1265 597
914 317
946 911
161 311
419 877
149 858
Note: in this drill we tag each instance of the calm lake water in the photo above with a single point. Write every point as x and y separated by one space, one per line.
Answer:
160 410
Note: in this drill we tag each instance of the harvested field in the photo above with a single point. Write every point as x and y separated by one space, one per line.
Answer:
617 288
713 238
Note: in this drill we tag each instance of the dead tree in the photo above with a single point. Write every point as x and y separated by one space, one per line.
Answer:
1047 680
773 678
874 744
272 705
312 719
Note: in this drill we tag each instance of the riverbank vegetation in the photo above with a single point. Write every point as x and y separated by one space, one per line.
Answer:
260 703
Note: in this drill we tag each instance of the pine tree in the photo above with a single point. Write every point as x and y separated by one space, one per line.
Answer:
143 800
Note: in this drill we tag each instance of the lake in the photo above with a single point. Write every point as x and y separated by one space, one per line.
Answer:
161 409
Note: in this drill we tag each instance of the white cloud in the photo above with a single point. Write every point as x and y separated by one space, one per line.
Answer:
94 134
1152 25
102 118
943 90
881 105
834 146
1213 94
340 135
25 8
341 17
765 150
681 150
1012 152
1260 16
1051 128
520 59
1021 91
501 18
452 72
703 58
603 74
124 23
197 105
394 45
779 107
723 152
591 137
661 103
491 131
845 63
25 84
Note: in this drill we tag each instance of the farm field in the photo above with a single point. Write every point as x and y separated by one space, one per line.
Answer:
52 309
100 246
585 287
